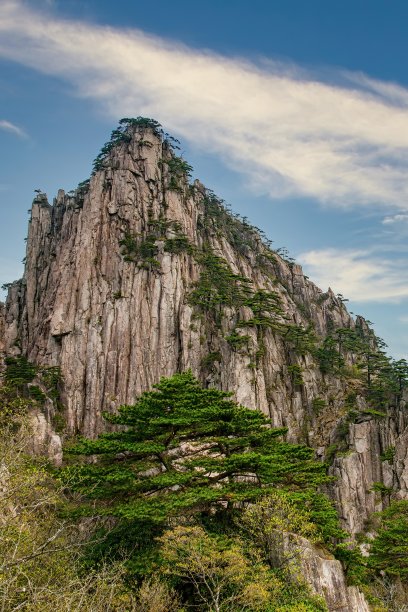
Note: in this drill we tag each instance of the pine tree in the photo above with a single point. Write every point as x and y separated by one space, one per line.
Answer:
389 549
185 450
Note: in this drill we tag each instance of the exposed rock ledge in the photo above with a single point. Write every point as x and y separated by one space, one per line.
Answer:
325 576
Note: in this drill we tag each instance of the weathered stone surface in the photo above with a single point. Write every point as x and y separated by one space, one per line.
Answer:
359 468
401 466
114 327
325 576
44 440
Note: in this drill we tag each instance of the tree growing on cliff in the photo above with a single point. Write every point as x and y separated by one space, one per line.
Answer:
389 549
183 453
186 449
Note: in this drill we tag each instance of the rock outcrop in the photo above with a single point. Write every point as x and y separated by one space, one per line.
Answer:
138 274
363 465
325 576
115 326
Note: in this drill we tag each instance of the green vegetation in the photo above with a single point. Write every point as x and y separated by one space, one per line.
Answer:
193 489
19 377
265 304
122 135
388 454
81 190
389 549
318 405
295 372
26 386
185 487
210 359
179 171
40 549
19 372
379 487
328 357
374 413
380 379
6 286
383 574
221 575
232 575
143 249
218 285
218 220
302 339
238 341
194 502
179 244
191 509
238 443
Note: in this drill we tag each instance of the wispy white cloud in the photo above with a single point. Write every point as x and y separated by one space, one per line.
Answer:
398 218
289 131
362 276
403 319
7 126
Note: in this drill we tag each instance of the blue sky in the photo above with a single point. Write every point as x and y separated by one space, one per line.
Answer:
295 112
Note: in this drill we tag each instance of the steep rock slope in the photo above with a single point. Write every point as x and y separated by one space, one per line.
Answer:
138 274
115 326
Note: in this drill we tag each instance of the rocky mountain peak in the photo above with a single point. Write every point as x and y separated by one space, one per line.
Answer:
139 273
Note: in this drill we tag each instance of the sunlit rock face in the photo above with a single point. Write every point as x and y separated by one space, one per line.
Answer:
116 294
115 326
326 578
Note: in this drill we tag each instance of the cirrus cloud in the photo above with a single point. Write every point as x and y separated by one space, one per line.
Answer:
289 131
361 275
398 218
7 126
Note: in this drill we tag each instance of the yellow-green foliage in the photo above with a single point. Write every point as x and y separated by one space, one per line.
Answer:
39 551
223 577
272 521
232 575
154 595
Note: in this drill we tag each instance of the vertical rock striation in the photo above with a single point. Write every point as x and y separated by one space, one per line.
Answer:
325 576
115 326
115 280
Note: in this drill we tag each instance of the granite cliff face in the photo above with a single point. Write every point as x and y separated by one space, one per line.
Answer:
115 326
138 274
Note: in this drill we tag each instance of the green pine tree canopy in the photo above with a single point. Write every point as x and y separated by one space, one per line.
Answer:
183 449
389 549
